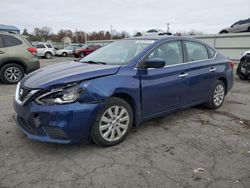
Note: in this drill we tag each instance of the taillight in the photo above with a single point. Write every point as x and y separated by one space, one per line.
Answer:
231 63
32 50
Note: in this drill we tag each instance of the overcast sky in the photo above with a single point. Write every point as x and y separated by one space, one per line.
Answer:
208 16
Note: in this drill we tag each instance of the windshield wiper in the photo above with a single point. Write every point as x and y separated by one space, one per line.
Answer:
94 62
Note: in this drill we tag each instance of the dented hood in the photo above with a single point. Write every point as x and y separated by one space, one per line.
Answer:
66 73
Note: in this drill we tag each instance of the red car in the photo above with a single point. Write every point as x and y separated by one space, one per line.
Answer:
85 51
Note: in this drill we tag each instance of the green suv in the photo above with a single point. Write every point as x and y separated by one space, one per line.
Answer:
17 57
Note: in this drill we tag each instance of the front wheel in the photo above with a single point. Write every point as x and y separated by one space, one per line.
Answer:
113 122
242 77
217 95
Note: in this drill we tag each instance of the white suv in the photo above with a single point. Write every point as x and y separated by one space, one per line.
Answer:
45 50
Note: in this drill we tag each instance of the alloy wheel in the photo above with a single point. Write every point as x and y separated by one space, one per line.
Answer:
219 94
114 123
13 74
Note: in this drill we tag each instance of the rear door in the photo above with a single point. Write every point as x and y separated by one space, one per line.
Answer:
202 70
40 49
3 52
165 89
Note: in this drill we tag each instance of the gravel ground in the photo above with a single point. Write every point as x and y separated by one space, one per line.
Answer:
196 147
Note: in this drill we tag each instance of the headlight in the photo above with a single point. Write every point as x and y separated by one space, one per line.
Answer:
68 94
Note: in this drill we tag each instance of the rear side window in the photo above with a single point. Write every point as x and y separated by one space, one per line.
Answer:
196 51
211 52
171 52
49 46
40 46
9 40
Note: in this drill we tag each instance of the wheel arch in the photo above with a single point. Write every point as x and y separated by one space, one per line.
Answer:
15 62
223 31
225 82
129 99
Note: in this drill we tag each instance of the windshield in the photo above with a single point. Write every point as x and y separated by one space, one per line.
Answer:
120 52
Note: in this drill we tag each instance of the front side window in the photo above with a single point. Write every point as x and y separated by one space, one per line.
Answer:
9 41
120 52
196 51
49 46
171 52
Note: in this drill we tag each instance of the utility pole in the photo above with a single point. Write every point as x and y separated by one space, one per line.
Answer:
76 37
111 32
168 24
86 37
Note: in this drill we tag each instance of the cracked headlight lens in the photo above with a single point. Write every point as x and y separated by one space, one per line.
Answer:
68 94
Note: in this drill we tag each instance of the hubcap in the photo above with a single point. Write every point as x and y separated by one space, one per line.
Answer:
13 74
218 95
114 123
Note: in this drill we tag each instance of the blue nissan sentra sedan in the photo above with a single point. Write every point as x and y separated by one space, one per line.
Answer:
119 86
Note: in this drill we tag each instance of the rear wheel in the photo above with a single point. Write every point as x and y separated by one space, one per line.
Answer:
48 55
11 73
217 95
113 122
64 54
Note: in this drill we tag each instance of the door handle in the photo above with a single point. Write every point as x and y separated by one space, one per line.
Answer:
2 52
212 69
183 75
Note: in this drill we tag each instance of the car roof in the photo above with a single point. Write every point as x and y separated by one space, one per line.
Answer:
164 37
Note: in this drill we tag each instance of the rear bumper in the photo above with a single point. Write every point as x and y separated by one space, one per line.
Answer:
33 65
76 54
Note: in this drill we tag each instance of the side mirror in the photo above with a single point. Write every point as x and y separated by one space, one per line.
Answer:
154 63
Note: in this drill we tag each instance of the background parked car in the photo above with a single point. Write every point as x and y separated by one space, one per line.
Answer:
243 70
154 32
45 50
67 50
239 26
17 58
85 51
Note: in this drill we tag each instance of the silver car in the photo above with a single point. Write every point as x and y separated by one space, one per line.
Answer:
67 50
240 26
45 50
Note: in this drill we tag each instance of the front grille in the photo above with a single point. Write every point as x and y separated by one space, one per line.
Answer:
23 93
55 133
26 126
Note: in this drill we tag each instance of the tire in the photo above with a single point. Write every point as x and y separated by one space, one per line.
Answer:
81 55
223 32
219 90
11 73
248 30
48 55
242 77
64 54
109 135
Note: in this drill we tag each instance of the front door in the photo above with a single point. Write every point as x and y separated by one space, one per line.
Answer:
165 89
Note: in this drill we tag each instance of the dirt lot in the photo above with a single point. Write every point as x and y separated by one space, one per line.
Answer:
196 147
